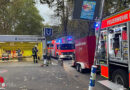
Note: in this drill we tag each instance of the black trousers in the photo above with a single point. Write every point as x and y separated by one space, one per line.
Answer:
35 59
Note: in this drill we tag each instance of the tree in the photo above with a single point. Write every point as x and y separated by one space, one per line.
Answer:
64 10
113 6
61 11
4 17
20 17
81 28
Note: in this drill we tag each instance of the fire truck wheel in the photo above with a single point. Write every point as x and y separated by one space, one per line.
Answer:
120 77
77 67
80 69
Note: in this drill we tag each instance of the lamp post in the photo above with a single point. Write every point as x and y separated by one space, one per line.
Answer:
94 67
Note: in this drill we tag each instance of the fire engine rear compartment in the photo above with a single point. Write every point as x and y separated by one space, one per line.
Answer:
86 47
116 65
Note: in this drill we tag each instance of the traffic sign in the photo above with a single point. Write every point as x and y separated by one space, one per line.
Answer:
47 31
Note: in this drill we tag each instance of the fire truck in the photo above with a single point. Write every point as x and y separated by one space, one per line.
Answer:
84 53
114 48
62 47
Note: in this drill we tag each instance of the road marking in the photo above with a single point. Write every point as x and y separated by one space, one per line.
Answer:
3 71
54 63
25 78
33 78
17 78
2 88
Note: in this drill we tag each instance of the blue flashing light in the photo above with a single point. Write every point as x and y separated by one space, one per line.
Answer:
58 41
96 25
69 38
48 42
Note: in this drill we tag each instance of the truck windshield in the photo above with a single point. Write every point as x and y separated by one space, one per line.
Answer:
66 46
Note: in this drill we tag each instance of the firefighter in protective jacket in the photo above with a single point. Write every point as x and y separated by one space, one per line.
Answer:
34 51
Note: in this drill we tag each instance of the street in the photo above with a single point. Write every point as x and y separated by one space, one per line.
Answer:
29 76
82 77
95 34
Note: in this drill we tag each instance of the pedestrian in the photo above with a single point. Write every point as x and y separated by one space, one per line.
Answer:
19 54
34 52
48 59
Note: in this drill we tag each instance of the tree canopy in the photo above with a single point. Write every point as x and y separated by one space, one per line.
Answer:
113 6
20 17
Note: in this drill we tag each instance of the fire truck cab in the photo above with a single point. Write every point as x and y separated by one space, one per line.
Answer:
62 47
114 48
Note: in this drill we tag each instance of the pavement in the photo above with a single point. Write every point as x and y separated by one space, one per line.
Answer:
83 77
30 76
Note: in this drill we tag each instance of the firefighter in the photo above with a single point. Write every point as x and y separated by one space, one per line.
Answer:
19 54
35 51
48 59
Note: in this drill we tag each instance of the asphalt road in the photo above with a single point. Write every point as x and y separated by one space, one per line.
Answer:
83 77
29 76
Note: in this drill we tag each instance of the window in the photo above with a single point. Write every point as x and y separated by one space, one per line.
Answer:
67 46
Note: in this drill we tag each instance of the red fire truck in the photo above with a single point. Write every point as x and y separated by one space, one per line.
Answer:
84 53
62 47
114 48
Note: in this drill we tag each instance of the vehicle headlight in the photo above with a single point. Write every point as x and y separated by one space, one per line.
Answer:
61 56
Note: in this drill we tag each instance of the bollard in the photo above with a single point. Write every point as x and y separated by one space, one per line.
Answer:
60 61
45 60
92 77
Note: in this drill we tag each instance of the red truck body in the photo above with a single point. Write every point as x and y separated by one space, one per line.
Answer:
84 52
115 60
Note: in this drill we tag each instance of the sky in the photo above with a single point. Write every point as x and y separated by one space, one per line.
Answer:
47 13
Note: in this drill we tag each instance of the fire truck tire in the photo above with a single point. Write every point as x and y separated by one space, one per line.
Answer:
120 77
80 69
77 67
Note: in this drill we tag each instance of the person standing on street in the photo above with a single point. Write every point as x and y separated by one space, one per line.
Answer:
48 59
19 54
34 51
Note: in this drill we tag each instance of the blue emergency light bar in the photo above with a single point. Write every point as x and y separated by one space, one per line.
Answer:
69 38
48 42
58 41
